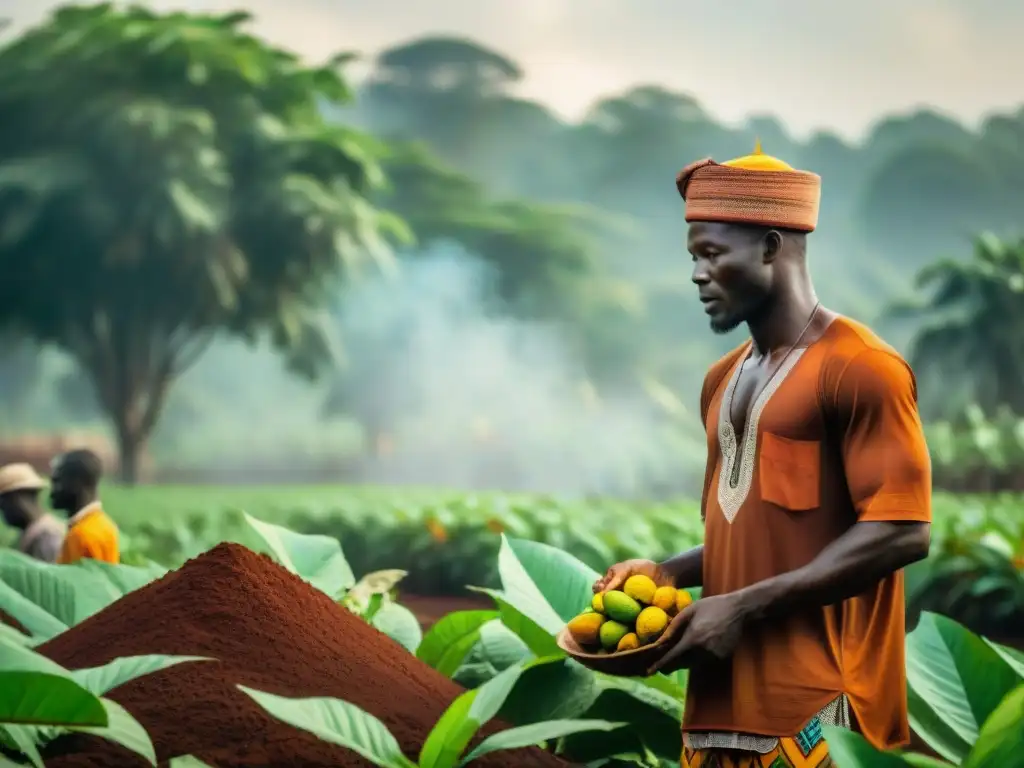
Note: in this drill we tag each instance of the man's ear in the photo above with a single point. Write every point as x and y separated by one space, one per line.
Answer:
771 245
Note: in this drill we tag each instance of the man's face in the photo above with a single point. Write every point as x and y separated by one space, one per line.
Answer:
10 511
730 272
63 492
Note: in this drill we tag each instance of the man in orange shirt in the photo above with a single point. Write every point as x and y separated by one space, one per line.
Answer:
817 493
74 490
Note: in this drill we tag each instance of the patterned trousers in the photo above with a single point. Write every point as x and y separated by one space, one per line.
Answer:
788 754
808 749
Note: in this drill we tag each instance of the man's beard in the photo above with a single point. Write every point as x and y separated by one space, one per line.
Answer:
724 325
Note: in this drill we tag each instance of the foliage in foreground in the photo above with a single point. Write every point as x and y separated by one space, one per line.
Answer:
964 691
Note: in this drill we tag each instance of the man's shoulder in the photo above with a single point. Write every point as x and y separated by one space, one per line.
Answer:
721 367
852 340
856 354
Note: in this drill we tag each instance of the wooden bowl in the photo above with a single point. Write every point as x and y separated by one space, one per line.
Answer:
634 663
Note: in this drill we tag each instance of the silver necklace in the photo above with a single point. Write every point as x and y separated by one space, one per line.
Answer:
734 475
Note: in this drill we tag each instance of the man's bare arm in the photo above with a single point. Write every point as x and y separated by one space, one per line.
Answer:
686 568
852 564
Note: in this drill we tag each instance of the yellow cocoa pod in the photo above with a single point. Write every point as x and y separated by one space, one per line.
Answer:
650 624
628 642
683 599
586 628
665 598
641 588
598 602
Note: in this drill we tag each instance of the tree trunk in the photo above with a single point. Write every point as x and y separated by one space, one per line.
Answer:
130 448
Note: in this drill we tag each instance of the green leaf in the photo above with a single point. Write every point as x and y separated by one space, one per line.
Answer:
449 641
69 593
467 714
37 621
187 761
123 729
521 592
564 582
851 750
1001 742
23 737
13 636
539 640
100 680
398 622
1011 656
530 735
337 722
924 761
41 698
957 679
20 658
315 558
667 701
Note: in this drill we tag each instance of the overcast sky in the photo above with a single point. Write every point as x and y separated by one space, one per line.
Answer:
814 63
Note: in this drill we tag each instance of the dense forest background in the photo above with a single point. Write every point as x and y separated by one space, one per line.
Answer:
541 329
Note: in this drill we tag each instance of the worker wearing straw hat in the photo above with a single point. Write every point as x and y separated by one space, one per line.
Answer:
41 533
817 493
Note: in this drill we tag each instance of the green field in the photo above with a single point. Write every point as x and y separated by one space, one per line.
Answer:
447 539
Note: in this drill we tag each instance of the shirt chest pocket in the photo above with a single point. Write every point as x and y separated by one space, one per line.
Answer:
790 472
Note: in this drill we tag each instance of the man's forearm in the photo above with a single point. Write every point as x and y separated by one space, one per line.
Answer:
858 559
687 568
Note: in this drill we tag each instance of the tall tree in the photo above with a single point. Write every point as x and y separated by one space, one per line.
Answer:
165 178
973 329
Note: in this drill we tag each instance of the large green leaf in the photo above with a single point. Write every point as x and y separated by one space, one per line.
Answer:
41 698
1001 743
39 623
449 641
398 622
315 558
120 578
337 722
69 593
9 634
538 639
956 679
20 658
99 680
556 691
565 583
467 714
851 750
521 592
123 729
939 734
537 733
1011 656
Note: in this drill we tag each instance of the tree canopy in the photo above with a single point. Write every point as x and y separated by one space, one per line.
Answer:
164 178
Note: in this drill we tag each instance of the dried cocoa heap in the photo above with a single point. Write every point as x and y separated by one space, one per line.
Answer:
270 631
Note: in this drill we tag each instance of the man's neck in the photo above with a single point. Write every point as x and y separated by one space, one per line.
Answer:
784 320
81 504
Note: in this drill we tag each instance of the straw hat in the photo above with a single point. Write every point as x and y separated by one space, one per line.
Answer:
20 477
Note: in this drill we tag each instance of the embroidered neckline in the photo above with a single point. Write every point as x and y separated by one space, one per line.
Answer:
730 498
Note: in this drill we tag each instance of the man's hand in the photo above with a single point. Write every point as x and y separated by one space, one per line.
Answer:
616 576
710 626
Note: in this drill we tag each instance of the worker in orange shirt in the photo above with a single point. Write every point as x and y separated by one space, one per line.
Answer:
74 490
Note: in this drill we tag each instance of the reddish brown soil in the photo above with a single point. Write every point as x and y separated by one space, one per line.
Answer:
269 631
